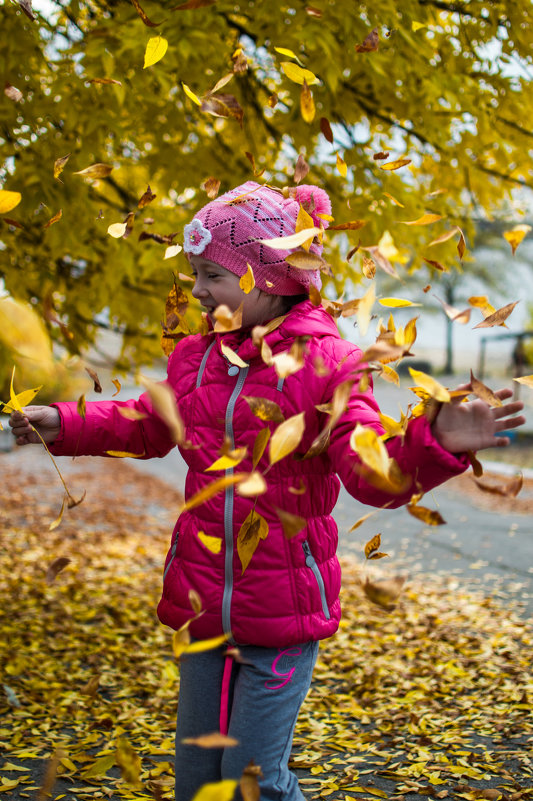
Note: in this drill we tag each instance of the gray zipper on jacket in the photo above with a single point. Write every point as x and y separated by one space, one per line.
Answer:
228 508
172 556
310 562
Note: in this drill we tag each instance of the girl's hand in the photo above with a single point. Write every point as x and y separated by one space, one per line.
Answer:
45 419
473 425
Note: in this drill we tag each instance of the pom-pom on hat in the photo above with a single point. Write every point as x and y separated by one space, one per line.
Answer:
228 234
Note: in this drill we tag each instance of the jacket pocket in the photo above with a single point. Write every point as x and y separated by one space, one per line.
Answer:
173 550
310 562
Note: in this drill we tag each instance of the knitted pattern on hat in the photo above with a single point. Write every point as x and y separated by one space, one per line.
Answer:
228 233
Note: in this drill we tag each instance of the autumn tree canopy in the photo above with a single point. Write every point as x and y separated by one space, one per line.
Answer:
415 112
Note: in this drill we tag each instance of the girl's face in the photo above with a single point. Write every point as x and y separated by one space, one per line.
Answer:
214 286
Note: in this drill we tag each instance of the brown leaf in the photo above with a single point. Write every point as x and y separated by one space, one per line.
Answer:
498 317
313 12
143 15
59 165
370 43
105 81
354 225
381 260
13 93
45 791
223 106
325 128
436 264
429 516
483 392
384 593
507 489
146 198
56 567
249 785
53 219
94 376
97 170
381 155
254 529
26 7
260 444
292 524
372 545
211 187
305 261
264 409
91 688
461 245
477 467
164 403
301 169
81 406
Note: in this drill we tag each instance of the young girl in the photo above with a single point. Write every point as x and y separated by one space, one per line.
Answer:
279 604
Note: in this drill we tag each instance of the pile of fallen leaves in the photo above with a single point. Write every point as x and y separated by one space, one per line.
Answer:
432 698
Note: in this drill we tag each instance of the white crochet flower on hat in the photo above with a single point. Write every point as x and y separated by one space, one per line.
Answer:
196 238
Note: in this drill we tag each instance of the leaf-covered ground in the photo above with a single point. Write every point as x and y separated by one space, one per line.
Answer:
431 699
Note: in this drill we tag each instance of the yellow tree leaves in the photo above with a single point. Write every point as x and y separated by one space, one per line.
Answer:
8 200
516 235
155 50
253 530
286 437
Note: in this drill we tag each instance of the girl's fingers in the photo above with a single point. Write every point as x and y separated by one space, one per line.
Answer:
513 422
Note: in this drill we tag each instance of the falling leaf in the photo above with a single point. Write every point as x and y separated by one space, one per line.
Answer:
307 104
8 200
341 166
249 785
231 356
429 516
252 486
516 235
146 198
395 165
191 95
353 225
370 43
396 303
381 260
125 454
193 4
435 390
507 489
101 766
425 219
59 166
372 548
363 519
164 403
264 409
53 219
55 568
26 7
436 265
211 187
213 740
482 391
305 261
325 128
284 51
301 169
444 237
292 524
254 529
498 317
291 241
454 314
247 281
461 245
213 544
526 380
155 50
384 593
217 791
393 200
105 81
212 489
369 267
298 74
45 791
129 762
286 437
143 15
94 375
13 93
98 170
223 105
229 460
260 444
364 309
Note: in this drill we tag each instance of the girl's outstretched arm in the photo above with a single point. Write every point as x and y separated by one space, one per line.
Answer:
474 425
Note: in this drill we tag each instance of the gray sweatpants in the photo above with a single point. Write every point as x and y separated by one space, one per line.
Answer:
262 697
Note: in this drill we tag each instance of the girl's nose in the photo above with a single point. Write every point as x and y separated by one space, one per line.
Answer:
198 291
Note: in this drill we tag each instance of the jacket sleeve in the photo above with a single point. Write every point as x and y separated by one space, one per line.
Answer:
104 428
421 459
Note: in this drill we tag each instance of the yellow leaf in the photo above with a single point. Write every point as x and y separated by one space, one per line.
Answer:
214 739
284 51
217 791
14 401
117 230
81 408
483 392
444 237
260 444
429 516
54 219
298 74
364 309
97 170
425 219
384 593
125 454
172 251
305 261
231 356
211 489
516 235
252 486
254 529
286 437
23 399
247 281
341 166
264 409
431 386
100 767
395 165
228 460
291 241
129 762
307 104
164 403
190 94
8 200
226 320
199 646
155 50
393 200
213 544
396 303
370 449
526 380
292 524
416 26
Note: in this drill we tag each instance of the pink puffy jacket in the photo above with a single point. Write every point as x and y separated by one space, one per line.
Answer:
289 593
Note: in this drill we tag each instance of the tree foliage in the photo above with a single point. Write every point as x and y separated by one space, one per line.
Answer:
443 84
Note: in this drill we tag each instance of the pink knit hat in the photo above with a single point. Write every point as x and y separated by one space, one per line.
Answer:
229 233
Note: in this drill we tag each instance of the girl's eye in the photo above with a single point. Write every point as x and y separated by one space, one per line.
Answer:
211 276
